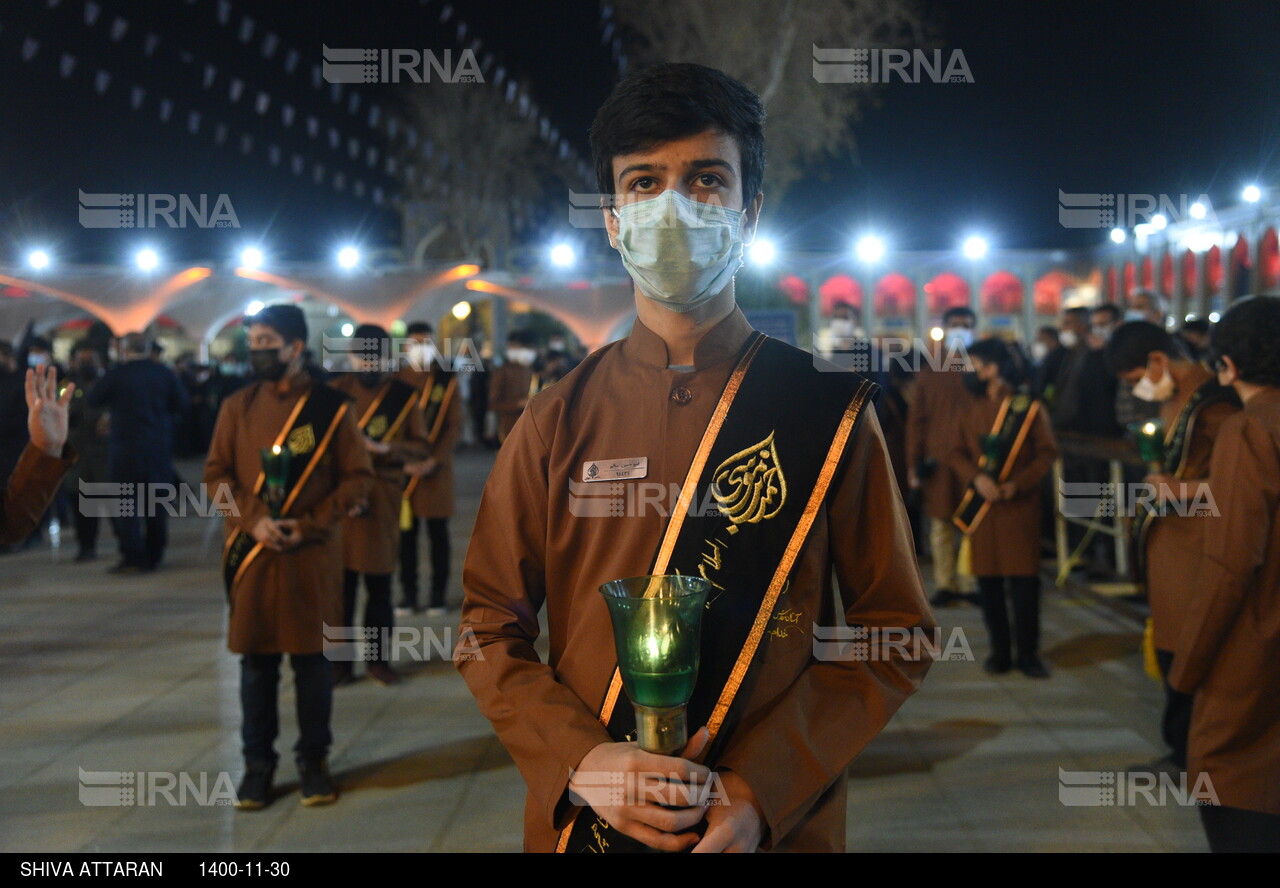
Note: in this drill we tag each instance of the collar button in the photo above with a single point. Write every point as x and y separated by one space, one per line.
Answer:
681 395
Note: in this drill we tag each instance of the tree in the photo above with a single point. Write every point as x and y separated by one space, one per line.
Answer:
486 175
768 46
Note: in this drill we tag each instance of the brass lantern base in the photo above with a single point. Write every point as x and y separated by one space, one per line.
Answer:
661 730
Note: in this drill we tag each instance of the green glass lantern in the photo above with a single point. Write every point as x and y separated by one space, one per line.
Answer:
1151 444
657 625
275 468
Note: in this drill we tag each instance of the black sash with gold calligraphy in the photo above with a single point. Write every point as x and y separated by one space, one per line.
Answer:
383 419
433 401
1013 424
766 460
306 433
1177 451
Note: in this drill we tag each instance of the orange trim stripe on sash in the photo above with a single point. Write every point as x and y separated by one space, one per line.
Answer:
257 489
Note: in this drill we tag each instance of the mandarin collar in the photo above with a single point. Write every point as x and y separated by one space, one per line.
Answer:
1266 396
721 342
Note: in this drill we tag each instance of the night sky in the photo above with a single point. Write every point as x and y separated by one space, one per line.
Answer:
1083 96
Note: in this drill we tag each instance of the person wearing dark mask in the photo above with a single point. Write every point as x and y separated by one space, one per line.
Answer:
89 427
143 398
395 433
940 400
1003 448
1226 651
282 561
1167 545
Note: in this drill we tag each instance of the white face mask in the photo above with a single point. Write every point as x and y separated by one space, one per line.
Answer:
1068 338
1102 334
680 253
842 328
1039 351
522 356
959 337
37 360
1154 391
1134 314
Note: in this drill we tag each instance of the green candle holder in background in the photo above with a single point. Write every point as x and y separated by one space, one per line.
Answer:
991 450
1149 434
657 625
275 468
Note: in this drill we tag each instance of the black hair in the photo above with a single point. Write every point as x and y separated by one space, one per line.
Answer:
996 351
1248 334
287 320
1051 331
419 327
666 102
958 311
39 342
1132 342
1107 308
1196 325
522 337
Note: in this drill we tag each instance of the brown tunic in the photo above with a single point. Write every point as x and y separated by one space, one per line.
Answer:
371 542
1007 541
29 490
803 720
433 494
508 389
937 406
1227 652
282 598
1174 542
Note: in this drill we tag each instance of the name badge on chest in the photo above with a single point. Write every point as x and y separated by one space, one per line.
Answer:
615 469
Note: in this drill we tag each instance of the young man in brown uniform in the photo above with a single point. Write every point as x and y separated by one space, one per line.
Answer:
1003 448
282 564
387 414
691 395
513 383
44 461
1193 407
939 402
428 482
1226 653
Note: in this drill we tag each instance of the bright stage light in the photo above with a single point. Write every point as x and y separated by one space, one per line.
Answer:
763 252
348 329
1197 210
147 260
1252 193
975 247
348 257
1159 221
254 307
937 334
462 310
1117 235
251 257
870 249
38 259
563 256
1214 317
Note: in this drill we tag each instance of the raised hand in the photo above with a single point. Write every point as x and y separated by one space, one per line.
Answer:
46 412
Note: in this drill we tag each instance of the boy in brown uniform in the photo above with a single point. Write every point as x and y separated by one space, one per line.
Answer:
428 482
1004 446
386 411
1193 407
1226 653
939 402
282 564
693 393
513 383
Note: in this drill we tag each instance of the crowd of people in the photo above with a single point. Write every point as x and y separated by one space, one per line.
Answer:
815 474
